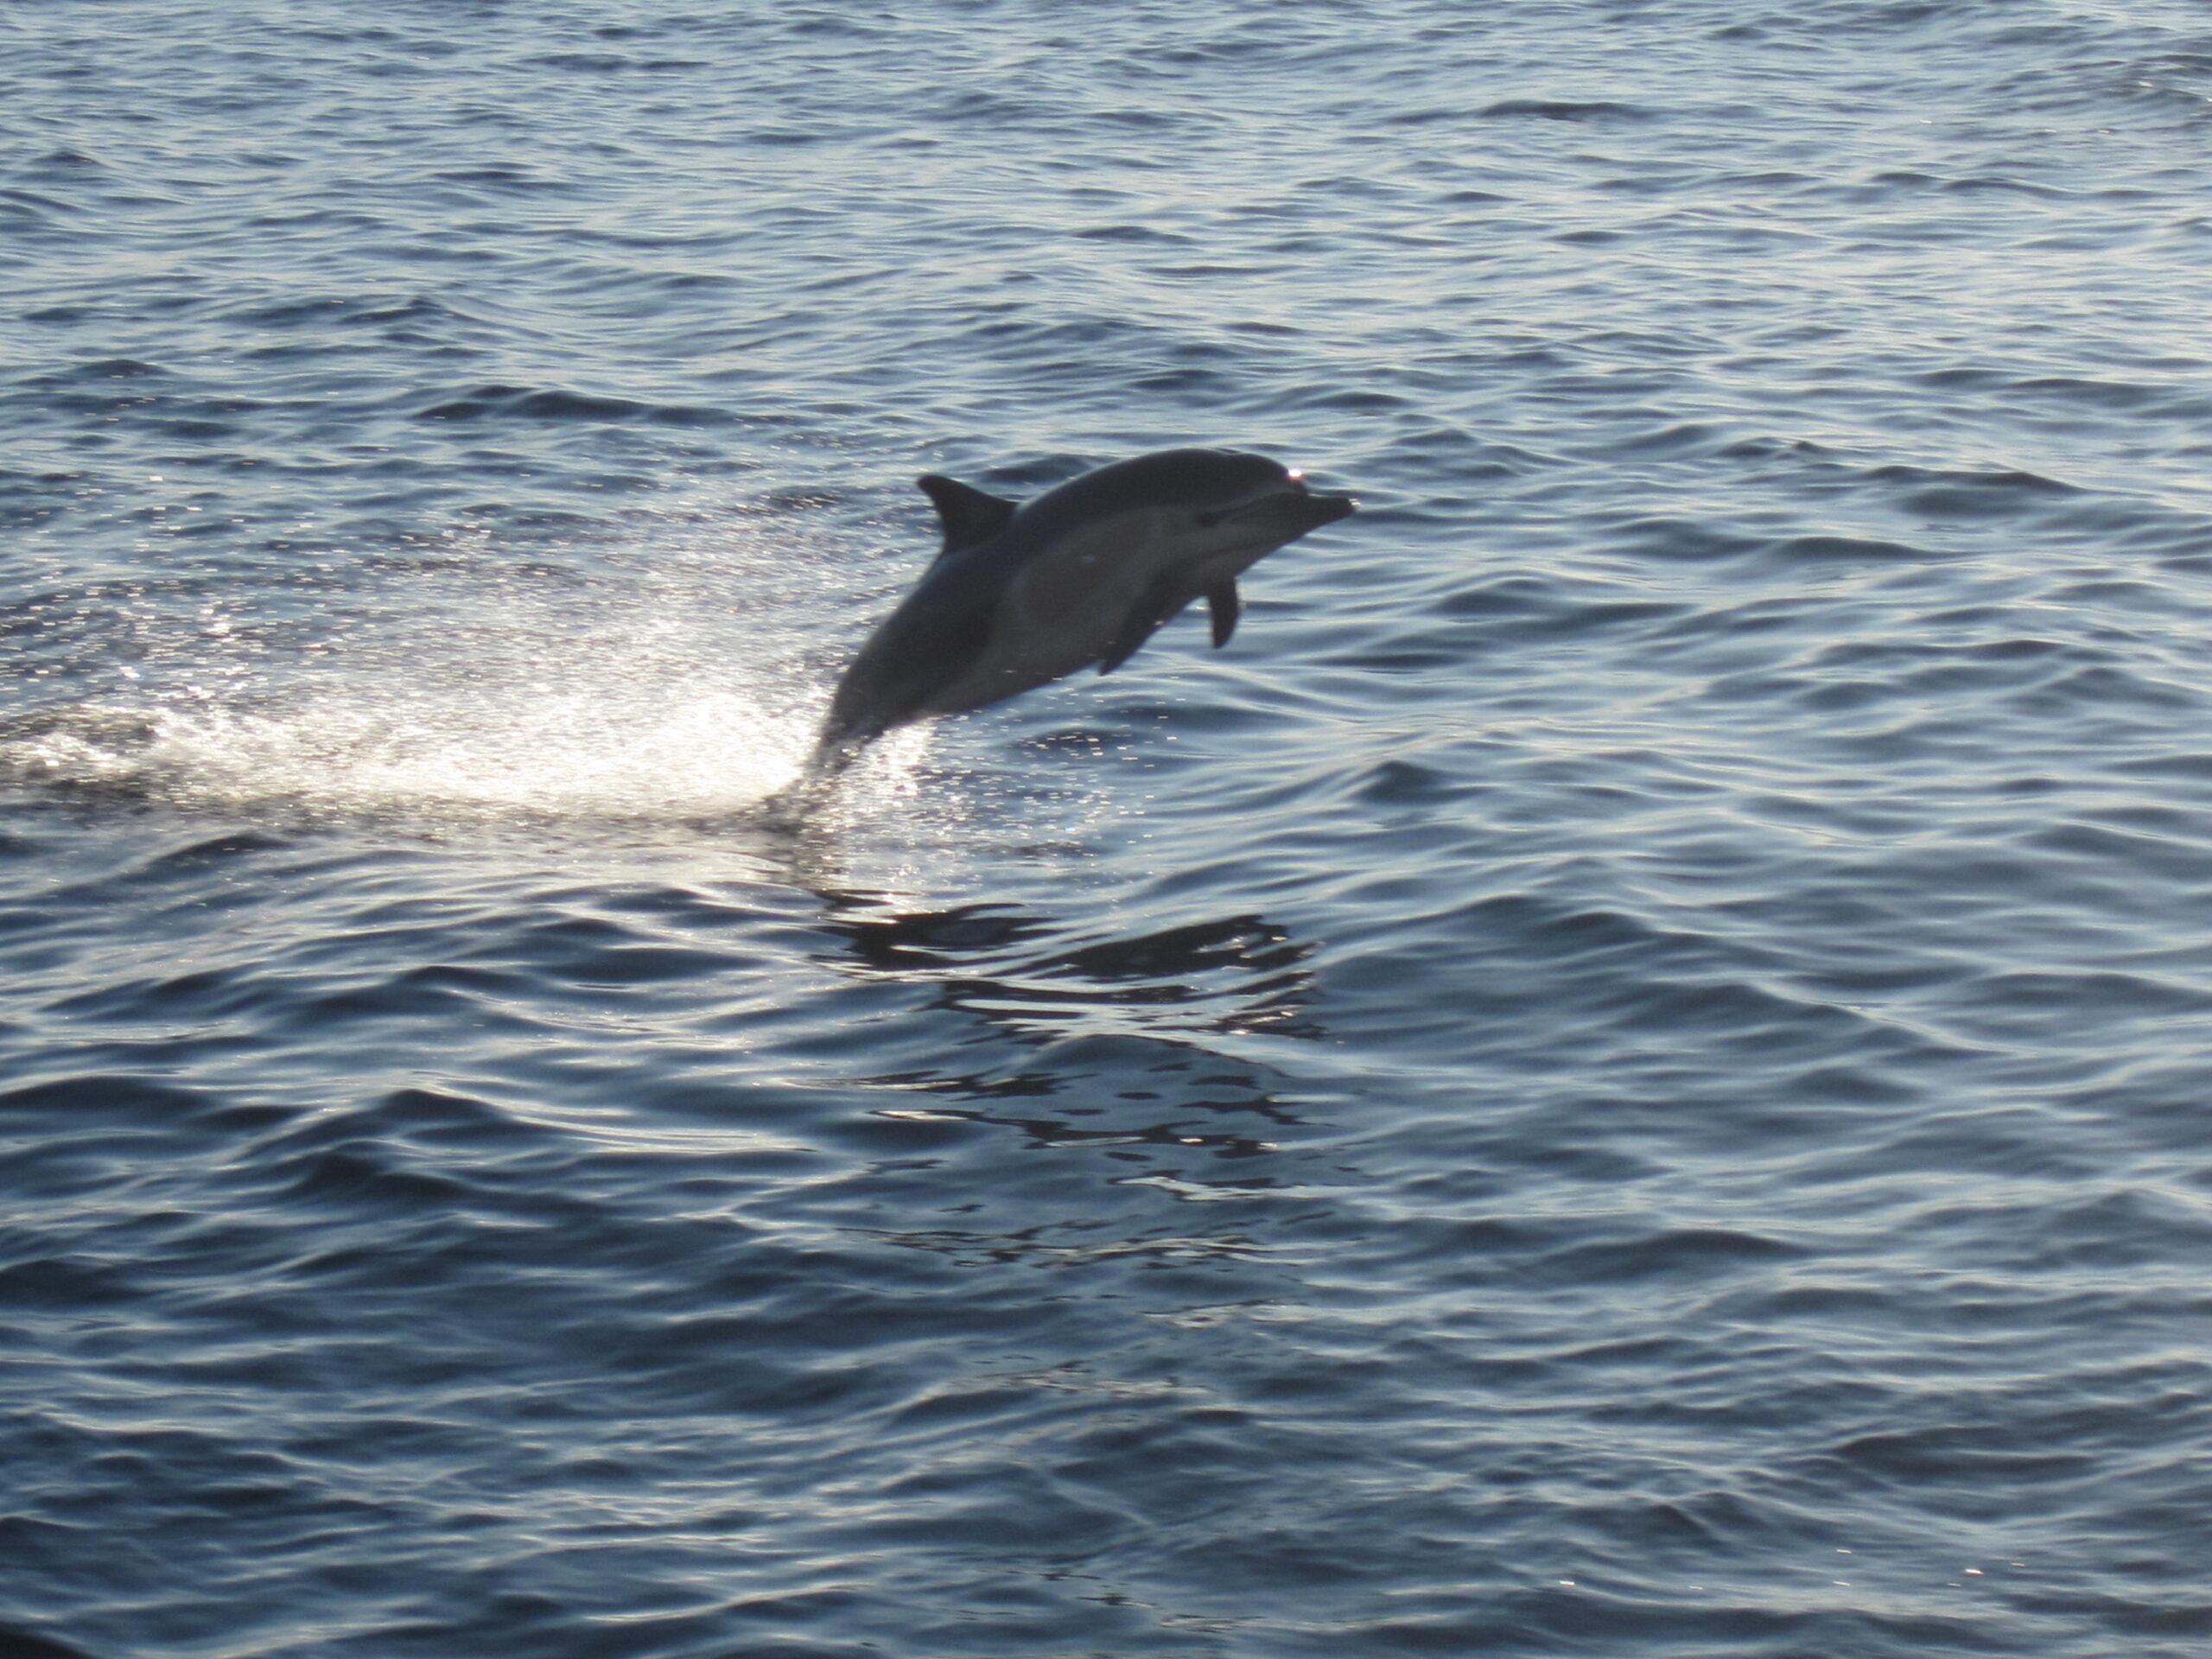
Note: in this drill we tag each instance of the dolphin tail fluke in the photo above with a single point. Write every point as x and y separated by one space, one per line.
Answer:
1222 601
833 757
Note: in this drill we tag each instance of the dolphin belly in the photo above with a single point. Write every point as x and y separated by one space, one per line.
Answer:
1062 611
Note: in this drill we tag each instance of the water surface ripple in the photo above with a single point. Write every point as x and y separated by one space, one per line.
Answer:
1623 1074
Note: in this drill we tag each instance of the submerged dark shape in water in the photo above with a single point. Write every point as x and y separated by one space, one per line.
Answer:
1023 595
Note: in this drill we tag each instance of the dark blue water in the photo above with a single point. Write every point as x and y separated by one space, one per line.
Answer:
1626 1073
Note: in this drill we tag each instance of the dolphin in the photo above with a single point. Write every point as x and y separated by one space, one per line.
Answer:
1021 594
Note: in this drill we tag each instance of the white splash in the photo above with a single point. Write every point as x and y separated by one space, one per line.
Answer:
612 751
678 688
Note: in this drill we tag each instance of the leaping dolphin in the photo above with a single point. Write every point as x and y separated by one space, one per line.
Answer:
1022 595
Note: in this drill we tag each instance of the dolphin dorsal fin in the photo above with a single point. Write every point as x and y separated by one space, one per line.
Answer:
968 514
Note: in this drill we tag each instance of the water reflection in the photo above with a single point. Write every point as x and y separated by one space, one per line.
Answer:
1113 1044
1239 974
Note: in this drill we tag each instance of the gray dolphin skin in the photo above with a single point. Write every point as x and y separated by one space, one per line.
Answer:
1083 574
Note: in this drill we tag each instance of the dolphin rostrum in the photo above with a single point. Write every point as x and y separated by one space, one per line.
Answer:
1022 595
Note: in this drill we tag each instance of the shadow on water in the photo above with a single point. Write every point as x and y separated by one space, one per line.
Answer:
1240 973
1125 1046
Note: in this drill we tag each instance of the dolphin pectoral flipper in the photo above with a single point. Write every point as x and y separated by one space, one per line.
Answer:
1159 601
969 516
1222 601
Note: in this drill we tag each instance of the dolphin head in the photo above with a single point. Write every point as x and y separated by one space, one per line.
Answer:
1218 504
1113 553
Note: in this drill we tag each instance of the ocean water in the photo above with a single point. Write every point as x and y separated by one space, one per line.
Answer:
1627 1073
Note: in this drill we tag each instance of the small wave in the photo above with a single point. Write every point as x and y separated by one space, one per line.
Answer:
106 368
612 63
1826 548
1560 108
521 403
